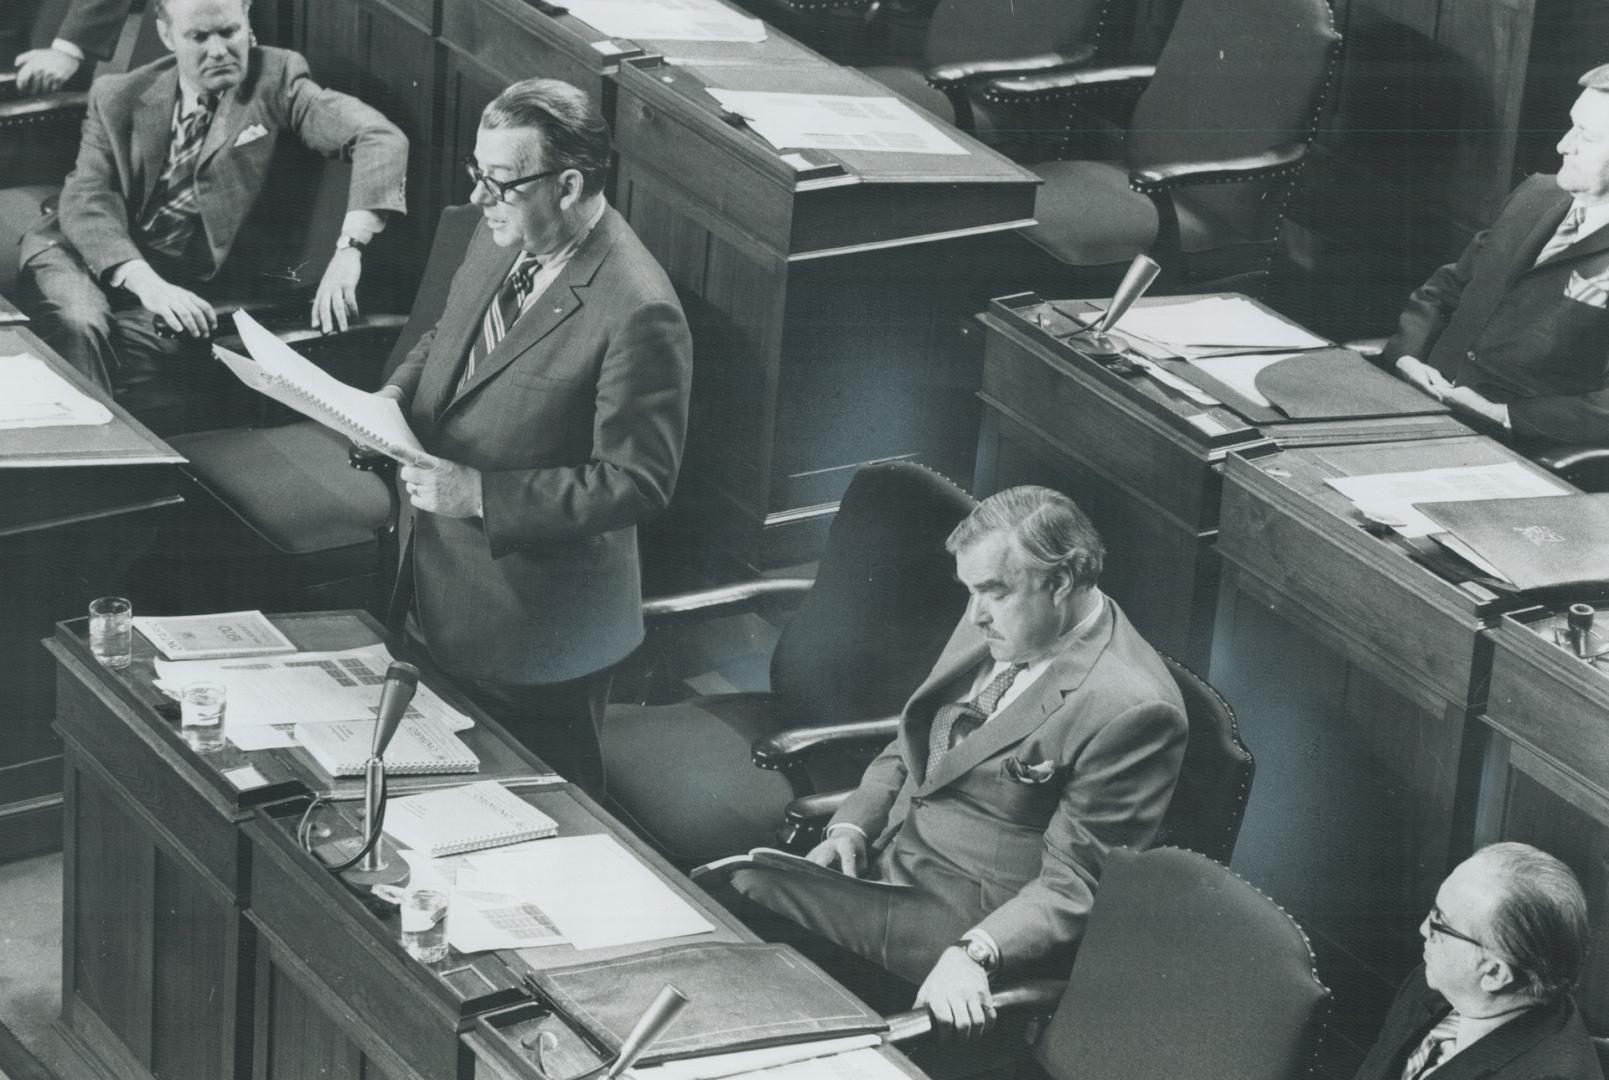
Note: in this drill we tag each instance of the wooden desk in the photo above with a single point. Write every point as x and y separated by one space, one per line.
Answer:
1357 674
158 960
825 294
1546 780
77 506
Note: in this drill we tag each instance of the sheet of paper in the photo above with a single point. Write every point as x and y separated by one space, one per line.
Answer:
751 1062
32 395
479 921
681 20
268 695
1216 323
863 1064
836 122
1391 497
594 890
1240 372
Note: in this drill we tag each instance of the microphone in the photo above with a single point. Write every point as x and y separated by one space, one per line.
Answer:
664 1008
1579 621
401 682
1100 343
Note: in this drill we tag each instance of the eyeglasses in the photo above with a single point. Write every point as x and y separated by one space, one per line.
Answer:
1441 928
501 189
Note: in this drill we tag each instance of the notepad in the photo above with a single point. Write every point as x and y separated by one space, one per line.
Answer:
455 820
213 637
420 746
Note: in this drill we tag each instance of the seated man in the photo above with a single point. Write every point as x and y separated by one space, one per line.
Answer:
87 28
1048 733
1504 944
173 159
1515 334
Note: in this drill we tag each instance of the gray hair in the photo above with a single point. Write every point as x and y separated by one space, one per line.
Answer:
1596 79
1540 920
1050 530
573 131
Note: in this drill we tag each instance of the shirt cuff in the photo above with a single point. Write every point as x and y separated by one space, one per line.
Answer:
979 934
119 273
847 825
62 45
1508 425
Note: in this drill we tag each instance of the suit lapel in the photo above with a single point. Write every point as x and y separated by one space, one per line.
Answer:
485 267
1547 223
152 132
1487 1055
955 664
1030 709
226 125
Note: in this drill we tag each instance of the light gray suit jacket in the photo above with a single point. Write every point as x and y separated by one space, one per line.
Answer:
576 421
1107 724
128 129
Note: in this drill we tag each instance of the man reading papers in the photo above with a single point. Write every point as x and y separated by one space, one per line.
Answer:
1048 733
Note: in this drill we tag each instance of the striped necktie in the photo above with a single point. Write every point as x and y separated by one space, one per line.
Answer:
1568 232
503 311
954 722
171 214
1430 1052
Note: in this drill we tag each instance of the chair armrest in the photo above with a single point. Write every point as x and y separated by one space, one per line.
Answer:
970 71
15 107
1368 347
1587 467
721 597
363 459
1039 995
1070 85
814 809
1282 160
784 749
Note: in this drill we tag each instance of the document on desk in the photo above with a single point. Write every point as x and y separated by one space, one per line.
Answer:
269 696
1390 497
1217 325
836 122
276 370
32 395
668 20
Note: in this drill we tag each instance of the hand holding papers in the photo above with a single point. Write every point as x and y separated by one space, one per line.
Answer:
275 370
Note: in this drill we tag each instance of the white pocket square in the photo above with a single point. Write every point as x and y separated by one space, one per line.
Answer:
1588 290
251 134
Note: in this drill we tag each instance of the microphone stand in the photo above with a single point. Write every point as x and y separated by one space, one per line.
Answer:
1098 342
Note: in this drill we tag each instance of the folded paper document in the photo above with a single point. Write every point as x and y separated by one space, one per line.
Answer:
1319 384
1536 543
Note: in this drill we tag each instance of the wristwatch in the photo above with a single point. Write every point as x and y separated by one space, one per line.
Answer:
346 241
979 953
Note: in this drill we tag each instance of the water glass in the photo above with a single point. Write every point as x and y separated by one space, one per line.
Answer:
201 712
111 631
424 925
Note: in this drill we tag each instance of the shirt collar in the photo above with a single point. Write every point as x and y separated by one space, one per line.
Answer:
1594 217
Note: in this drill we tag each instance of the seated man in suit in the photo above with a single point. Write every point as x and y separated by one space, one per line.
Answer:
553 393
1515 334
1504 945
87 28
173 160
1048 733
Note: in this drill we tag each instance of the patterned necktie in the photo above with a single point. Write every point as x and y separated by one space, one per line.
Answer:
954 722
171 214
503 311
1568 231
1429 1053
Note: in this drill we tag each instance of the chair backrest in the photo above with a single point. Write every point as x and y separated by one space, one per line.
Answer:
1209 801
993 29
453 232
1602 1047
1185 970
885 599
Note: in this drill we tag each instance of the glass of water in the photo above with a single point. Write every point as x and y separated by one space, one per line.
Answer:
111 631
201 711
424 925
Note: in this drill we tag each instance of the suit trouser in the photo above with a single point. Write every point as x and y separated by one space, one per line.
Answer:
169 385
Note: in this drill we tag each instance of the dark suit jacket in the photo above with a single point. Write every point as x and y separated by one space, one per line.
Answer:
1511 331
576 421
1025 857
93 25
127 132
1547 1043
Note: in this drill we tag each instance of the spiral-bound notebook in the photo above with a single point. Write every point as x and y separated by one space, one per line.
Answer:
455 820
420 746
275 370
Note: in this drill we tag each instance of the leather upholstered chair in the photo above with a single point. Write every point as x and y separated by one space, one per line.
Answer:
1185 970
1204 815
279 509
1200 174
866 632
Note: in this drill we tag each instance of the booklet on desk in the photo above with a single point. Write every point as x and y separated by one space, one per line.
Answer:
213 637
1536 543
421 746
458 819
739 997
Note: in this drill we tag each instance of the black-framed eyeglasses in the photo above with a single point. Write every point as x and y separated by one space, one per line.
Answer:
1441 928
501 189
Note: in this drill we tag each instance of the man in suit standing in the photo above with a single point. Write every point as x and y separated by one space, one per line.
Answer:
552 394
1504 945
87 28
1048 733
1515 334
173 160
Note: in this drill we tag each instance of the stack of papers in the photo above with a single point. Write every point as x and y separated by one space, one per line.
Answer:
1216 326
667 20
836 122
852 1058
32 395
